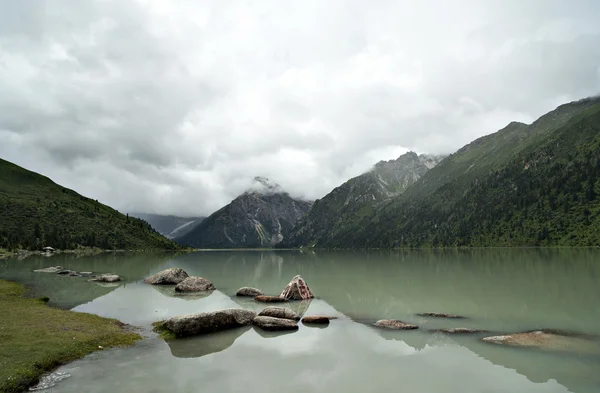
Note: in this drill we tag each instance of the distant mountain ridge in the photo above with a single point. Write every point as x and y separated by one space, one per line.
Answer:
525 185
358 199
262 216
36 212
169 226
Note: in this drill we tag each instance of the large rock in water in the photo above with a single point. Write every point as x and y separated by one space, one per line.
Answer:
248 291
107 278
208 322
297 289
279 312
394 324
194 284
171 276
270 299
275 324
548 339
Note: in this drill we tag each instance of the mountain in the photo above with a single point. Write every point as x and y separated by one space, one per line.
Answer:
170 226
356 201
36 212
525 185
261 217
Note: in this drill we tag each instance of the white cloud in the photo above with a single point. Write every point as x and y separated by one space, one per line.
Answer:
173 107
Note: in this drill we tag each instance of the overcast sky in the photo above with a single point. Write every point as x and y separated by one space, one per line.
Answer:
174 106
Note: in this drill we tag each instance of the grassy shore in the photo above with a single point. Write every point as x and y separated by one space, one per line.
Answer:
35 338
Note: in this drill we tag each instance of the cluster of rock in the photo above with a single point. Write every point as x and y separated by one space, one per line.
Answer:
545 339
72 273
182 281
269 319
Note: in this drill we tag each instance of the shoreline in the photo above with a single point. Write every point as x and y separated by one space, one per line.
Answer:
38 338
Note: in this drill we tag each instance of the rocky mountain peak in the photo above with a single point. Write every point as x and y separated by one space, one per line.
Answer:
264 186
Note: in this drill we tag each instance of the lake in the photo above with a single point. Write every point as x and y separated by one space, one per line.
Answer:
499 290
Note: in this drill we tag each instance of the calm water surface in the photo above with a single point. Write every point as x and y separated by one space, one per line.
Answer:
502 291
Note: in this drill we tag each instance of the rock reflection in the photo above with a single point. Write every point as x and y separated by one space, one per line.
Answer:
195 347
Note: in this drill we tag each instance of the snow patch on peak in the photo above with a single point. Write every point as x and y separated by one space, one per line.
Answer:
264 186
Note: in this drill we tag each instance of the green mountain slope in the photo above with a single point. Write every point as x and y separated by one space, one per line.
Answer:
36 212
525 185
354 203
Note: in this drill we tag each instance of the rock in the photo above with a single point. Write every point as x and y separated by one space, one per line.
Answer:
194 284
548 339
316 319
63 272
248 291
107 278
297 289
208 322
270 299
275 324
279 312
395 324
52 269
74 274
440 315
460 330
171 276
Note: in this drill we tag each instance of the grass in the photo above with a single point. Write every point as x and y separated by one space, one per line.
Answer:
161 329
35 338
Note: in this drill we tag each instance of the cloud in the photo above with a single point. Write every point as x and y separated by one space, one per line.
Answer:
173 107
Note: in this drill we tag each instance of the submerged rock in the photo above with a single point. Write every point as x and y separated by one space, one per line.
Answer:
51 269
208 322
279 312
248 291
171 276
297 289
275 324
394 324
440 315
270 299
548 339
316 319
194 284
460 330
64 272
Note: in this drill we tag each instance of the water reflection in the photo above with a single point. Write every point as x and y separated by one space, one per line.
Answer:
195 347
503 291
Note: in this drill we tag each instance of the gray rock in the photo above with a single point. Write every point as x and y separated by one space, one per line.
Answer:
52 269
171 276
395 324
459 330
208 322
107 278
194 284
279 312
270 299
274 324
548 339
440 315
316 319
248 291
